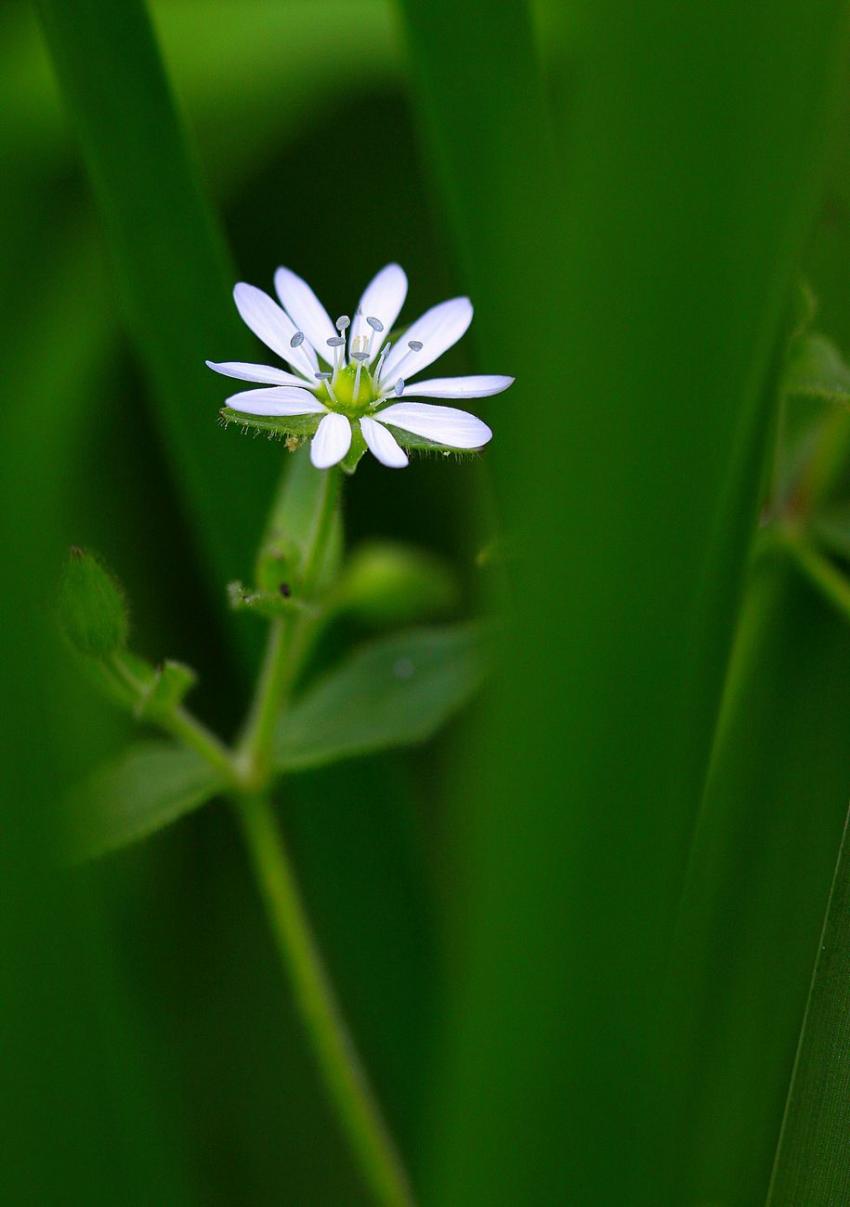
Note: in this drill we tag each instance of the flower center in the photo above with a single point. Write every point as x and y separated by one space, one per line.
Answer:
351 390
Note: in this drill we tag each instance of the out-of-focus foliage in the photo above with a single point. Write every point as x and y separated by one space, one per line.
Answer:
626 193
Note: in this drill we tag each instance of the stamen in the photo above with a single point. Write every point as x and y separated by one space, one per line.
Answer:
414 345
377 327
399 387
336 342
381 360
325 376
297 340
342 322
359 357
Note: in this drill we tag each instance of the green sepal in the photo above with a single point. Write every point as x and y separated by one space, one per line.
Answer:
352 458
164 690
418 444
92 608
294 429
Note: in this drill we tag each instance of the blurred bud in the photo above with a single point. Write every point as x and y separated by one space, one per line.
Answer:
92 608
386 583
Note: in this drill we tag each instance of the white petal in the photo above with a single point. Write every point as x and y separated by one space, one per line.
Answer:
305 310
331 441
277 400
382 299
438 329
443 425
482 385
273 326
382 444
264 373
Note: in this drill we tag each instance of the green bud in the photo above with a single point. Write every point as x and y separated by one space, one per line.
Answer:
92 607
385 583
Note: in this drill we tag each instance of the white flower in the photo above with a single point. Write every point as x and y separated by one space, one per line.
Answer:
364 393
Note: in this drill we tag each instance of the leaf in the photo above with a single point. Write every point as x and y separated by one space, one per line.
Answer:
149 786
394 692
813 1155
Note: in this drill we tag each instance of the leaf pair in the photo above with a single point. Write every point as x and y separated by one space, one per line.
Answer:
396 691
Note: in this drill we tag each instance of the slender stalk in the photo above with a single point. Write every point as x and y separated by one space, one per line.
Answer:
821 572
182 724
335 1052
288 638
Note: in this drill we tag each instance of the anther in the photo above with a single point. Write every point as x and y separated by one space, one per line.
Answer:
342 322
324 375
336 341
399 387
374 323
360 356
415 345
297 340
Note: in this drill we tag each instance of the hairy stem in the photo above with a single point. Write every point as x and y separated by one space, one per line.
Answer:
288 639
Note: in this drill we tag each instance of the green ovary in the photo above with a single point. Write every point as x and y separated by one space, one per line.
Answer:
343 389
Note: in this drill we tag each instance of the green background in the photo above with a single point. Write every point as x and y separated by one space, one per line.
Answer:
575 935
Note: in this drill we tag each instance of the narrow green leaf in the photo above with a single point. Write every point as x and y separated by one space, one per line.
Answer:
148 787
394 692
813 1156
756 893
642 328
172 267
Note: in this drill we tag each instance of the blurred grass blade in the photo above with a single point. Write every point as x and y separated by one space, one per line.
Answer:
756 892
813 1157
636 287
147 787
394 692
172 269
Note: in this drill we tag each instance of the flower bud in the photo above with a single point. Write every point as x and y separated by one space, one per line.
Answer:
92 608
386 583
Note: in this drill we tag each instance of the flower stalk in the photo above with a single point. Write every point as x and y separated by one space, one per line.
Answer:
337 1057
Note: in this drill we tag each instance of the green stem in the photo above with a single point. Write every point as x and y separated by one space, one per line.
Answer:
288 638
821 572
181 724
335 1052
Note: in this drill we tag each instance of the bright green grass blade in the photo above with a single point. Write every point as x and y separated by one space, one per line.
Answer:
147 787
394 692
813 1156
171 266
641 326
